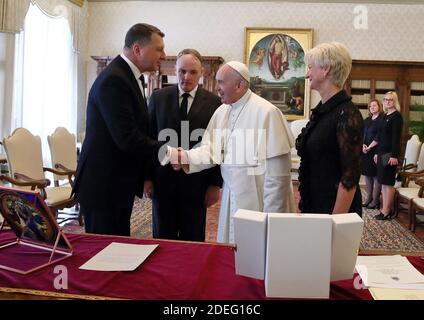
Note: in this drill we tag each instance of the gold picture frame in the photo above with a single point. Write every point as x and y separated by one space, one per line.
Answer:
275 58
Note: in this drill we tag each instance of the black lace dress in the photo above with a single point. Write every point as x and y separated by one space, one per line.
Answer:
330 147
389 137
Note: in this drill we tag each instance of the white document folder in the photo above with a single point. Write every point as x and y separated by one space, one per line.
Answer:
298 258
347 233
250 239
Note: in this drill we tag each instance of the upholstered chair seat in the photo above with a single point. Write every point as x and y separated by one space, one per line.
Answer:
408 193
57 195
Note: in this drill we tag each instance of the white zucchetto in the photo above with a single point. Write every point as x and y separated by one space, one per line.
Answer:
241 69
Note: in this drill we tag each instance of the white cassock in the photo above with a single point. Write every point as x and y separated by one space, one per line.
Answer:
251 141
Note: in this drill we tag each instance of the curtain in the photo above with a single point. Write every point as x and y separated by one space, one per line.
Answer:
12 15
48 76
7 47
13 12
72 13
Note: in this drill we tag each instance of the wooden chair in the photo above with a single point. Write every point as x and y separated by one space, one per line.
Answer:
410 158
24 156
417 207
412 151
63 151
409 189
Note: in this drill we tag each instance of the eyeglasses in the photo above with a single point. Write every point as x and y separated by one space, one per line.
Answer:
385 99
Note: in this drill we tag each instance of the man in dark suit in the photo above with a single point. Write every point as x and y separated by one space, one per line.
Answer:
117 148
180 200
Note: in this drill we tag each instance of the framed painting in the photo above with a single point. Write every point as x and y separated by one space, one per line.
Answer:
275 58
38 241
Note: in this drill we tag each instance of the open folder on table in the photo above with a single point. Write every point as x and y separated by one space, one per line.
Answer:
119 257
396 294
393 272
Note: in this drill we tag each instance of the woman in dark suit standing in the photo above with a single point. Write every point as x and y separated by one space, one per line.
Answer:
388 151
330 146
369 169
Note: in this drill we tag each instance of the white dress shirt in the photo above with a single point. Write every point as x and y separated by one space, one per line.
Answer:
189 99
137 73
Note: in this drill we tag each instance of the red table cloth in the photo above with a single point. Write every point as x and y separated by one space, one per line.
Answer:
174 271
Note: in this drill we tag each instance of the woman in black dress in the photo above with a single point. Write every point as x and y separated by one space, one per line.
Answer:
388 151
330 146
369 169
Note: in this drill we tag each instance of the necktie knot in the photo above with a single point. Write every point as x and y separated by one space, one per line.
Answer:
143 94
142 79
184 106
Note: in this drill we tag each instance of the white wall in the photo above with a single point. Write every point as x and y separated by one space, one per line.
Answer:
217 28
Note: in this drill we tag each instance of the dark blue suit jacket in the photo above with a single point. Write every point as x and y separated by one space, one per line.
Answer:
164 114
116 148
179 210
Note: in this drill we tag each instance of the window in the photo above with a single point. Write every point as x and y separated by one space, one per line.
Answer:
48 76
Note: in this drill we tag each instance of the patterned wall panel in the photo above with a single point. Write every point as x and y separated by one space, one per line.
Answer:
217 28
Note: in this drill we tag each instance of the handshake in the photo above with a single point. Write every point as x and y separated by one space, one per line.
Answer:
178 158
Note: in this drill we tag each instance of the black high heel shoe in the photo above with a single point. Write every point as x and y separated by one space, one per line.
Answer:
379 216
388 216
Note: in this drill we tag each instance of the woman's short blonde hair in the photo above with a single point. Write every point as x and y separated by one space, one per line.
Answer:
395 98
334 55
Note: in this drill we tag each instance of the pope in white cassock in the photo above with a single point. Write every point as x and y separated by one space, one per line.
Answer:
249 137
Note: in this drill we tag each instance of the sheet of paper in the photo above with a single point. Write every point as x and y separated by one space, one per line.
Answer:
389 272
396 294
119 257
